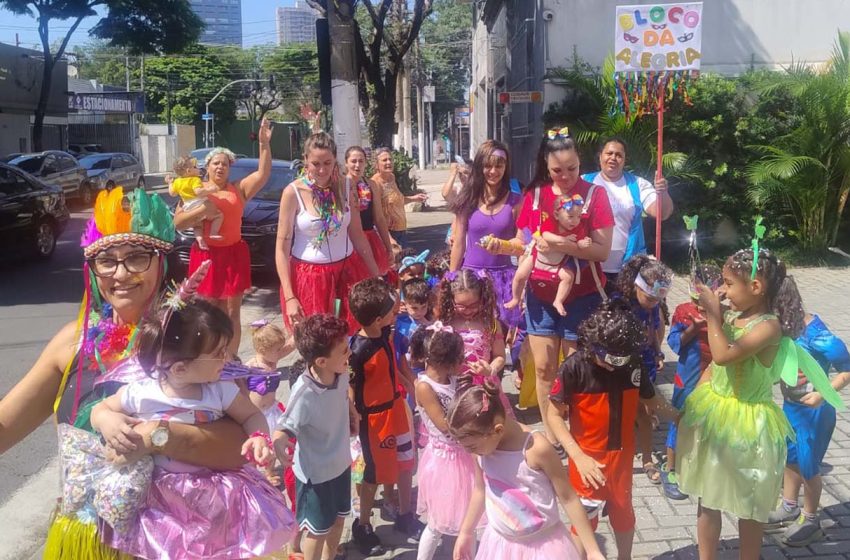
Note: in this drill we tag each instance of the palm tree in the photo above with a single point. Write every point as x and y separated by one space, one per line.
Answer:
807 171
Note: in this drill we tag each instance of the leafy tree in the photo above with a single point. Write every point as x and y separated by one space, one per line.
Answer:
97 60
807 171
446 55
384 32
140 25
296 71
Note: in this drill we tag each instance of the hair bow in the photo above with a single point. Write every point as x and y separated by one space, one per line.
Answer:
485 402
407 262
562 132
568 202
438 326
259 323
451 275
759 235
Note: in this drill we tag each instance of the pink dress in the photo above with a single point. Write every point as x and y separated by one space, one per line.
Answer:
477 345
446 471
522 509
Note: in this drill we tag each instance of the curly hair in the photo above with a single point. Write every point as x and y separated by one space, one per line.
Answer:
316 336
438 264
475 408
368 300
466 280
612 326
438 348
652 271
549 146
231 157
783 297
267 337
472 194
183 164
197 328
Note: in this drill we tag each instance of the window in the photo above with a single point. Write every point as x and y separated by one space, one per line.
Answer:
12 183
51 165
66 163
29 164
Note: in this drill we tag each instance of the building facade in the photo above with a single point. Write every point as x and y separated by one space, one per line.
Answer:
517 42
223 19
296 24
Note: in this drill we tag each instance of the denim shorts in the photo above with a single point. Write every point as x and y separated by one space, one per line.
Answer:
542 319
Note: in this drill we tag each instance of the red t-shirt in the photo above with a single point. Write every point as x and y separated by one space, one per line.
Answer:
598 216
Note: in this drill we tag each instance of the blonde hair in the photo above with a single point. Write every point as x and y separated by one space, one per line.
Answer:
231 157
266 337
184 164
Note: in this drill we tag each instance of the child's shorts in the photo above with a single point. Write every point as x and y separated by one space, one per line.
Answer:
387 444
318 506
813 427
617 492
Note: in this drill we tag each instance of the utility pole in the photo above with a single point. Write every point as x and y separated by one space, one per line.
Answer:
344 78
420 107
407 113
127 71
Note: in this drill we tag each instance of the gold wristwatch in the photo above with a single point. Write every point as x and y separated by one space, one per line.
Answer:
159 435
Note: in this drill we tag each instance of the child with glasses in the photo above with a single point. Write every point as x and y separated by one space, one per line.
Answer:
553 267
191 190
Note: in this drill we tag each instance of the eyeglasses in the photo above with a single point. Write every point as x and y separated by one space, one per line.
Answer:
472 306
106 267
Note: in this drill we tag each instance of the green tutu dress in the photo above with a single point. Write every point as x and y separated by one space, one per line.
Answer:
731 448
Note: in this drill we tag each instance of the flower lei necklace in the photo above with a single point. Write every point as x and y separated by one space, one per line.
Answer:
107 343
324 202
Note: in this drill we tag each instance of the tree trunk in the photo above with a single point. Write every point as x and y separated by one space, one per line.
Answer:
381 113
344 74
41 106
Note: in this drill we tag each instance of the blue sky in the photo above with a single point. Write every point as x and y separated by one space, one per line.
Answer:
258 25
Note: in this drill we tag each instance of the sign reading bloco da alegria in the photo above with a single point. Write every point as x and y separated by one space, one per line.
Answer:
658 37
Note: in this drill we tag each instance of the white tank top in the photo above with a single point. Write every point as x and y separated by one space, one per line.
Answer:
307 228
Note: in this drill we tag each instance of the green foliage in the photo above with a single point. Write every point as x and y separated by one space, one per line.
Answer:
446 56
402 164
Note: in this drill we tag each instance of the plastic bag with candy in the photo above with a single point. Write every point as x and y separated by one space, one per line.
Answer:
89 480
358 464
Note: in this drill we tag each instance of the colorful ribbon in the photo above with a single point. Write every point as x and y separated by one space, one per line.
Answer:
758 236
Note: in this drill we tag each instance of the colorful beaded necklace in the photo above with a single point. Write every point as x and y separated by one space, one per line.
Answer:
326 207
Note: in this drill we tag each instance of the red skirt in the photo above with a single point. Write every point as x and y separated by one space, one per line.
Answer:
317 286
230 270
379 251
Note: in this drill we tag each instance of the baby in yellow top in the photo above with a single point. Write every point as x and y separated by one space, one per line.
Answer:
189 187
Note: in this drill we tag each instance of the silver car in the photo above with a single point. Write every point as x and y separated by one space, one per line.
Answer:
61 169
111 169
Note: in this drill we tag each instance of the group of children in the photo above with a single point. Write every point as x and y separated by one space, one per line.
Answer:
435 345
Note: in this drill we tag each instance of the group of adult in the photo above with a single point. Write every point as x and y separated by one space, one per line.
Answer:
488 213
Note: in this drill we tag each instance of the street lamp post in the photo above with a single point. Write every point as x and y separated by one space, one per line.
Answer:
207 109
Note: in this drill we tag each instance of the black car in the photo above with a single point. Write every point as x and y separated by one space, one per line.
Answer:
259 221
33 214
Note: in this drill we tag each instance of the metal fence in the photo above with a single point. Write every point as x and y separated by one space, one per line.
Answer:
112 131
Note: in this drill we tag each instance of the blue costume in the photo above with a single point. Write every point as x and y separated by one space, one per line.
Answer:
813 426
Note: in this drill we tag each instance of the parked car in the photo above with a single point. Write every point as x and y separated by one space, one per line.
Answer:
33 214
107 170
59 168
82 150
259 221
9 157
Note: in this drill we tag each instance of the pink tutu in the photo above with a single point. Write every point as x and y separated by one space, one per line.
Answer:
446 476
553 542
221 515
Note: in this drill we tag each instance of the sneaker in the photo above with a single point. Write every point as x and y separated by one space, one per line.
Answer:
366 540
670 483
803 532
781 517
410 525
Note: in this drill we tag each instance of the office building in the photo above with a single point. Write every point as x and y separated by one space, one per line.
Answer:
223 19
296 24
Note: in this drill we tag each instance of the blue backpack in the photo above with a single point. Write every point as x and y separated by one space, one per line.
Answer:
636 244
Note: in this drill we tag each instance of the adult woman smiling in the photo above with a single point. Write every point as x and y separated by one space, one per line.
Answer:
549 333
124 268
393 201
230 271
630 196
487 207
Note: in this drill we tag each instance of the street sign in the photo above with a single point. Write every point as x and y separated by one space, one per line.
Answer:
429 94
507 97
207 117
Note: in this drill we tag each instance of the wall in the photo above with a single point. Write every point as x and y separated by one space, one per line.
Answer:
14 129
737 34
159 150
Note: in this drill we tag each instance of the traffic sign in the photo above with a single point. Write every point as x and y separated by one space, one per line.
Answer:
520 97
207 117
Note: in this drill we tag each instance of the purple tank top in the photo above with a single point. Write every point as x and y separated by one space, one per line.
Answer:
501 225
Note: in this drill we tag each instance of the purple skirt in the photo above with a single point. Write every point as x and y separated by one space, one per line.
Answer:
221 515
502 279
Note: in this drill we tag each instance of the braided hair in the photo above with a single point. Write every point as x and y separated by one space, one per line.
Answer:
612 326
438 348
783 297
466 280
475 408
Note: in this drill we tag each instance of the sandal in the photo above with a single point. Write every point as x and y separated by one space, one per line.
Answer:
652 473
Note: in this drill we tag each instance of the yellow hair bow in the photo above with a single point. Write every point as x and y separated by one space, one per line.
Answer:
563 132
